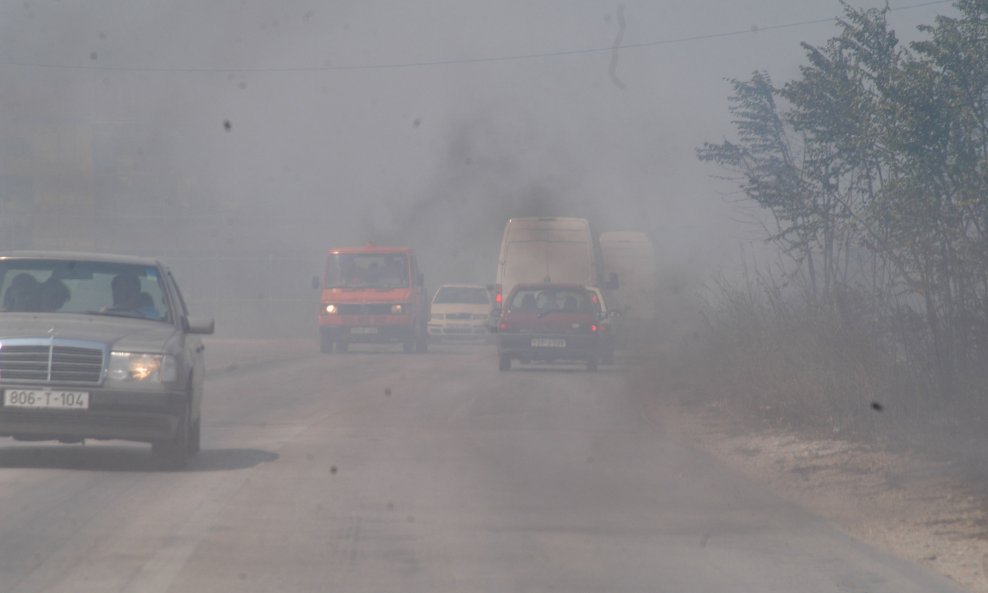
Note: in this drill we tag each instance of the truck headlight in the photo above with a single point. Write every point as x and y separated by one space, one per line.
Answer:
142 367
331 309
397 309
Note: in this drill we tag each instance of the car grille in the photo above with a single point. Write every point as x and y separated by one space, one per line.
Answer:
365 309
458 316
50 363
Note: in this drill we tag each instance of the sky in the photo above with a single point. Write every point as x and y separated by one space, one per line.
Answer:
295 126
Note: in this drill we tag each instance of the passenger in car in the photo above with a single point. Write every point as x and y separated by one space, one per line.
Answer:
23 295
54 294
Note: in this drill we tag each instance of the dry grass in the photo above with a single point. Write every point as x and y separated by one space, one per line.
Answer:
827 371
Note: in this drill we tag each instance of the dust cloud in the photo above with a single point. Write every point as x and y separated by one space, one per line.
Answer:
239 140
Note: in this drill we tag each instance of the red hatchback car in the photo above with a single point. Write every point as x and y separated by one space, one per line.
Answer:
549 322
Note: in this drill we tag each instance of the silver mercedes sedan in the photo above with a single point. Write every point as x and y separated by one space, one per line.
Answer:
96 346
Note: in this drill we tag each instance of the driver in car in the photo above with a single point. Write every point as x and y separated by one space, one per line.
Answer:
127 296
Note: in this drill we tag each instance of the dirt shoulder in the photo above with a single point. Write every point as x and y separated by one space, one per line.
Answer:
913 505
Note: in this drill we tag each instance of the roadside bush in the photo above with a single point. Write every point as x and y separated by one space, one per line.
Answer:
787 363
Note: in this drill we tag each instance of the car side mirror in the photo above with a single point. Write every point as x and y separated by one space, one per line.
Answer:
315 282
198 325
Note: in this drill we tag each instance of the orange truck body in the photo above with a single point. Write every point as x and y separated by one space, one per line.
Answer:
372 294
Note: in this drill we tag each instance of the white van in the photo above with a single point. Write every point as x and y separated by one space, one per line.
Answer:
547 249
631 256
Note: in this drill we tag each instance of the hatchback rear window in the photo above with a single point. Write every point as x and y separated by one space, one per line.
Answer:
552 299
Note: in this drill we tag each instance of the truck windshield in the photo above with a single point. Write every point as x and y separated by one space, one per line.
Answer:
367 270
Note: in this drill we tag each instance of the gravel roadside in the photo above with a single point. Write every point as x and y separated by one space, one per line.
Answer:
917 506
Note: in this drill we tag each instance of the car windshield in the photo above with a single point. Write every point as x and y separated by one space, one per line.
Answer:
367 270
461 295
65 287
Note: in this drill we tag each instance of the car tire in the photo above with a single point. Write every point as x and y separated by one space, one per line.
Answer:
173 453
195 436
325 343
504 362
592 365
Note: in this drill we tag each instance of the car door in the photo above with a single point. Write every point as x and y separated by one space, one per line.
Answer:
191 345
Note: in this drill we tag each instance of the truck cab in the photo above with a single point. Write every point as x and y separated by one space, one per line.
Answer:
372 294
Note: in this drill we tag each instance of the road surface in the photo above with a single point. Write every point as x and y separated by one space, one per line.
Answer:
377 471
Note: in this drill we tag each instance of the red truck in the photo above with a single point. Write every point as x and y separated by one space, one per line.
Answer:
372 294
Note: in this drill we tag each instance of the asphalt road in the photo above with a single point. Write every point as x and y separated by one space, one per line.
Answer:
382 472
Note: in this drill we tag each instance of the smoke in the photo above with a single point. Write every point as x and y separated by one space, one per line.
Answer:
215 134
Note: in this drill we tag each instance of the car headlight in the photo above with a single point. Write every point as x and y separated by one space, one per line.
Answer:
331 309
397 309
142 367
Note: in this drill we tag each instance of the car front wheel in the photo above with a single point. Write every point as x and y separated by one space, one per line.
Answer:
325 343
174 453
422 342
195 436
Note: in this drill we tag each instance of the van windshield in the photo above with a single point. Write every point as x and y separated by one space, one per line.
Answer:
367 270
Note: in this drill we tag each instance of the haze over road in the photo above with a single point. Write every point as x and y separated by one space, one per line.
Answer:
377 471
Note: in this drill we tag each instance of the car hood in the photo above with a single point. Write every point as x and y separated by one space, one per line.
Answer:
119 333
453 308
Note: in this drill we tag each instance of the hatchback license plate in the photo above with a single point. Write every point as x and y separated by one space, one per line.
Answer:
548 343
34 398
363 330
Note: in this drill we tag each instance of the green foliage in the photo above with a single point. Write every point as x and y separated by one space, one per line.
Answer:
889 193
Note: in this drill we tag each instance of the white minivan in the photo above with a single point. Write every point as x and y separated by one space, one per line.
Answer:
548 249
631 256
